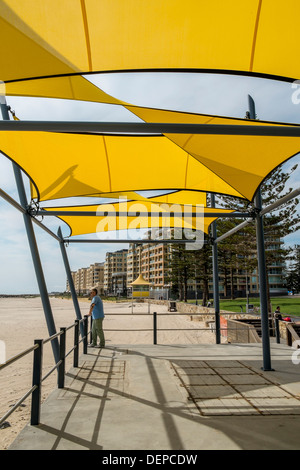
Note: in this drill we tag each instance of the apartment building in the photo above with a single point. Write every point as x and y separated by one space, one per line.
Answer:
85 279
115 272
152 262
121 268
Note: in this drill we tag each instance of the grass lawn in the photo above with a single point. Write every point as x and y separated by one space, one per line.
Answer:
288 305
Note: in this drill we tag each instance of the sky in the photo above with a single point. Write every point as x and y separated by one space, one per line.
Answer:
192 92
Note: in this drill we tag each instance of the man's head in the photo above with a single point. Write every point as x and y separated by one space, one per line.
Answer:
93 292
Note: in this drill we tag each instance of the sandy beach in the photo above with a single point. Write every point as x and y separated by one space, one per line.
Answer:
22 321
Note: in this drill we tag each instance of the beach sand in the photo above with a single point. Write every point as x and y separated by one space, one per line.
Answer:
22 321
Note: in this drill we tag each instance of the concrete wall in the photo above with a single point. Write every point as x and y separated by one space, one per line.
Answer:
207 314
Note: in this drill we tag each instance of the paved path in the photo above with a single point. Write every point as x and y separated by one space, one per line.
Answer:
172 397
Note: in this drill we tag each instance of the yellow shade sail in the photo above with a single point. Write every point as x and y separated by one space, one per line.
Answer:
65 165
237 159
56 37
136 215
69 87
174 197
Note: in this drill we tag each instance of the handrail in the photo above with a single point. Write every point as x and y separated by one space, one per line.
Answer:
18 356
37 379
292 335
37 349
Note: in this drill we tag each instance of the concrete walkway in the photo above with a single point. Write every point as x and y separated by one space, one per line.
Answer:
179 397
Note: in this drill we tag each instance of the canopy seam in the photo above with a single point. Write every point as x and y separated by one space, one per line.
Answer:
86 33
107 163
255 35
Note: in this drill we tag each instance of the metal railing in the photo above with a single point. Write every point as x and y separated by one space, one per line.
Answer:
155 326
37 349
37 378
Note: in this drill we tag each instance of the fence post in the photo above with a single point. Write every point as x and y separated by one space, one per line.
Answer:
154 328
277 330
91 334
37 380
85 338
62 355
76 344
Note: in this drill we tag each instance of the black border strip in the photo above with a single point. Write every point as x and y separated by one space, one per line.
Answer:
242 73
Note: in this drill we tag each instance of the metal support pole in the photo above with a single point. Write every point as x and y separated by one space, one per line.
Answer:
34 249
216 277
84 213
262 269
149 128
70 280
263 286
37 263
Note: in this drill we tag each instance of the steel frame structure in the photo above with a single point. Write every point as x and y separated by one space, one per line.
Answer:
29 214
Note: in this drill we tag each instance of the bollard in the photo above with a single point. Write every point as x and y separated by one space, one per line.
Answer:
36 381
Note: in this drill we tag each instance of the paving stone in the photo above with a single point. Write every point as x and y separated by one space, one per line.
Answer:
183 364
252 379
279 406
233 370
212 391
226 406
203 380
196 371
262 391
220 363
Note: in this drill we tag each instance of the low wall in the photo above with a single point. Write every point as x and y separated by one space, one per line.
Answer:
239 332
207 314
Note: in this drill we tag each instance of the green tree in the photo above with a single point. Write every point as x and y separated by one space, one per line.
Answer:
241 249
186 265
293 271
180 270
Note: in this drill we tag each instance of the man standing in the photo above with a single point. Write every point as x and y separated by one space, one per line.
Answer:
97 312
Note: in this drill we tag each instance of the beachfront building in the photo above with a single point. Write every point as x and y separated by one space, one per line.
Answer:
115 272
245 282
95 277
151 261
85 279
